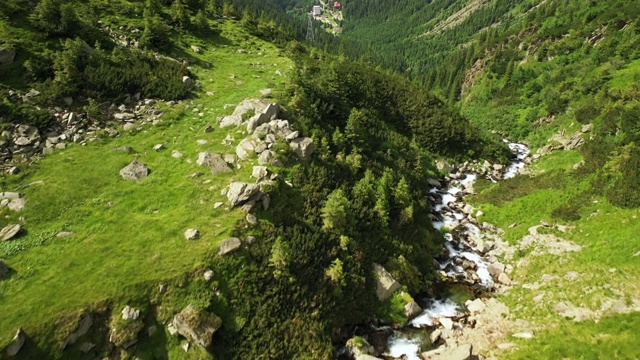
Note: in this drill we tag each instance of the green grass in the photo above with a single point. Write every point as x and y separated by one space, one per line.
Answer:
128 235
605 269
614 337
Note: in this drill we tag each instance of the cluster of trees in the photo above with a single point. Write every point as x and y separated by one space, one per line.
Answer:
361 200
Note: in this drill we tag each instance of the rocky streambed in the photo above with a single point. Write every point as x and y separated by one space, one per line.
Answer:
468 267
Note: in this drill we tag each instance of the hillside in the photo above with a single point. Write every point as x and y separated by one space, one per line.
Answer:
562 77
183 181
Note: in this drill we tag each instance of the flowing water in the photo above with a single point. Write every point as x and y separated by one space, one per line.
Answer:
452 219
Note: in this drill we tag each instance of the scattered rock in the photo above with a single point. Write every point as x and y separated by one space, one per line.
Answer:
246 147
503 278
386 284
192 234
228 245
303 147
265 92
187 81
9 232
64 234
217 204
16 343
435 335
475 306
134 171
446 323
239 192
176 154
208 275
129 313
198 326
412 310
259 172
195 49
17 204
127 149
251 219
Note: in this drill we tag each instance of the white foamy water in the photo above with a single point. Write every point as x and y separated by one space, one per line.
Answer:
399 346
437 309
521 152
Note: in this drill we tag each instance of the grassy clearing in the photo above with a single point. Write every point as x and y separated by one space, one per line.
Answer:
604 272
128 235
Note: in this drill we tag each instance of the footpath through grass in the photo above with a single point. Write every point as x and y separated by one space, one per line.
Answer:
127 235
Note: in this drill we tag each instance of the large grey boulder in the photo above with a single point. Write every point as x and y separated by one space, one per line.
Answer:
386 284
9 232
198 326
256 105
231 120
270 112
134 171
240 192
303 147
7 55
247 147
214 161
229 245
25 135
266 157
260 172
16 343
450 352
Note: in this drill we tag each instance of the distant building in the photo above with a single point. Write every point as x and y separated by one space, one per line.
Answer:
337 6
316 10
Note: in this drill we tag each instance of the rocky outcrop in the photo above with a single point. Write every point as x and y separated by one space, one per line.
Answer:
449 352
563 141
134 171
16 343
198 326
386 284
239 193
9 232
412 310
270 112
229 245
357 347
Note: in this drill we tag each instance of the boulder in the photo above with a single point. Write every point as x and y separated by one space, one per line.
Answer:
134 171
198 326
503 278
255 121
16 343
256 105
7 55
434 182
192 234
240 192
214 161
64 234
475 306
386 284
303 147
259 172
176 154
82 328
208 275
129 313
187 81
495 269
231 120
4 269
17 204
10 195
266 157
251 219
9 232
358 346
435 335
446 323
228 245
412 310
450 352
246 147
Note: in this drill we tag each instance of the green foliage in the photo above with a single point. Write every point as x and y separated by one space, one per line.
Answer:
55 17
14 111
335 213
